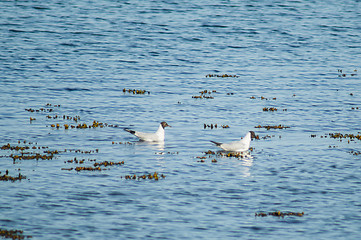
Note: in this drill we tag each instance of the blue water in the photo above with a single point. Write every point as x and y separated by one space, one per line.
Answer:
82 54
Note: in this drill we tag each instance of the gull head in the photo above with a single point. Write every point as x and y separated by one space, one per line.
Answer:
253 135
164 124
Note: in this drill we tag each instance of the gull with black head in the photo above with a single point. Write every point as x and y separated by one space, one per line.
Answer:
158 136
237 146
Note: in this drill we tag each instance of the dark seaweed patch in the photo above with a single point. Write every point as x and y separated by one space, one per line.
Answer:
211 126
135 91
279 214
6 177
222 76
149 176
268 127
13 234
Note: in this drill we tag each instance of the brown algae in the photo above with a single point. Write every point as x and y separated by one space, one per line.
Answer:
263 98
211 126
268 127
279 214
345 136
222 76
205 94
149 176
135 91
13 234
7 178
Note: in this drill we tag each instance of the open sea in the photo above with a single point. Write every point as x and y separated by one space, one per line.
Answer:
74 74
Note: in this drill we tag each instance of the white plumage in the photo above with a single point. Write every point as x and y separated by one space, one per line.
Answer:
237 146
158 136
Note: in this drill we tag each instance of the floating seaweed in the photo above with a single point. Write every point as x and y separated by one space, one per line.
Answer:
96 165
232 154
268 127
22 155
49 105
45 155
78 169
39 110
125 143
135 91
207 91
203 97
10 147
221 76
75 160
263 98
209 152
16 148
225 154
272 109
211 126
279 214
201 158
95 124
13 234
342 74
65 117
356 153
106 163
154 176
346 135
203 94
32 156
67 169
82 151
6 177
265 137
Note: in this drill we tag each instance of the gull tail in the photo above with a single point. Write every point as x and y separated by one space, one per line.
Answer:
217 143
130 131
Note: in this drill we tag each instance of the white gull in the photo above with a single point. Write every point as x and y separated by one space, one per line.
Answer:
237 146
158 136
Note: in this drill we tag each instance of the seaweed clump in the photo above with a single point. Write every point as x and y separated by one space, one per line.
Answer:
149 176
263 98
16 148
222 76
106 163
272 109
13 234
135 91
32 156
204 94
95 124
7 178
78 169
211 126
25 155
225 154
268 127
341 136
279 214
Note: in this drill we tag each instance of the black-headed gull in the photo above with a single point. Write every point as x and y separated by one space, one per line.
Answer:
158 136
237 146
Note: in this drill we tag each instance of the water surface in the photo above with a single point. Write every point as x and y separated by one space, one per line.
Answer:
82 54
